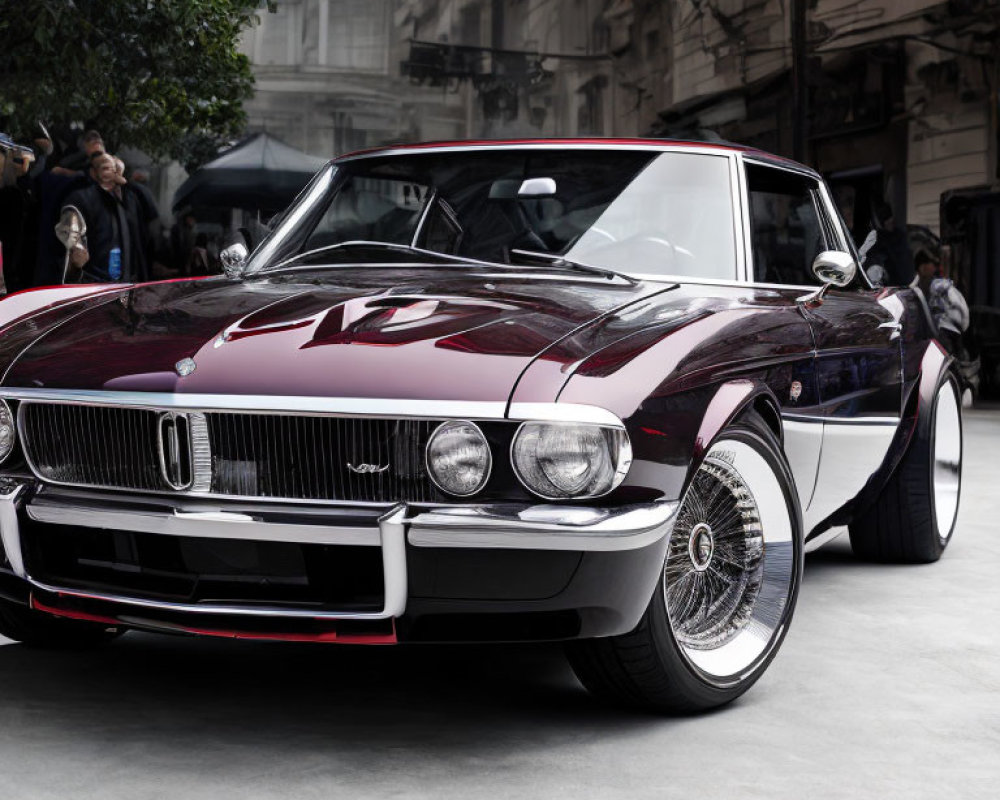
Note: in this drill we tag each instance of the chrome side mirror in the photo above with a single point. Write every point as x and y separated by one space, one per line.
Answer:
835 268
233 259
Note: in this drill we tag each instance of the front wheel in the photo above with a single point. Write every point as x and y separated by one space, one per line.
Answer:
727 590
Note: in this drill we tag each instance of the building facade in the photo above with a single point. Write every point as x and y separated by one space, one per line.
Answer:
895 101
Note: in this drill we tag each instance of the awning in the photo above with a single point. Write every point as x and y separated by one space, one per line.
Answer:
259 174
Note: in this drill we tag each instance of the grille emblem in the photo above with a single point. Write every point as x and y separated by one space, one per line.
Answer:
185 367
364 469
173 434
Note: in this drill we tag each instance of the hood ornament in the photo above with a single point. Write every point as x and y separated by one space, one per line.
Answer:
185 367
366 469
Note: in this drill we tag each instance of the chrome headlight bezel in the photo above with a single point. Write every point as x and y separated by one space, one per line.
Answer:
618 453
478 434
7 419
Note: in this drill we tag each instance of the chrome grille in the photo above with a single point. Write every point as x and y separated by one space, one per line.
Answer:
270 455
92 445
252 455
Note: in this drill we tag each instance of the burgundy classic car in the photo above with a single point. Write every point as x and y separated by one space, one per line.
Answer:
605 392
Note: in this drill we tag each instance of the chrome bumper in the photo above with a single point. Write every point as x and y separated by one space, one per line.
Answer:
506 526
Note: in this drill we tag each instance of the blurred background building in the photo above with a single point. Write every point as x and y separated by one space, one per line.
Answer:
894 101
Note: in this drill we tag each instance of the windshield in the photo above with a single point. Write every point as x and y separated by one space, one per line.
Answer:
641 212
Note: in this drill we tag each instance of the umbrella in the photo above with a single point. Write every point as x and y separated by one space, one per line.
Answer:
261 173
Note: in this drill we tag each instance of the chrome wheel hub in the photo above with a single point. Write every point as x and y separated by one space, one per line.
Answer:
730 563
701 547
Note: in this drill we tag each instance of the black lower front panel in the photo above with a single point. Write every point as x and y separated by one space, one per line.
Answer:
202 570
454 594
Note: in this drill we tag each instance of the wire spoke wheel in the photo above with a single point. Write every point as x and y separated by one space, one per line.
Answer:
730 564
724 597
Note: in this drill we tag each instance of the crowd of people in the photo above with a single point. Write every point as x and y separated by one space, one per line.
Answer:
80 216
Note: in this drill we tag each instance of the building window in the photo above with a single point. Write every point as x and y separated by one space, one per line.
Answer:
346 34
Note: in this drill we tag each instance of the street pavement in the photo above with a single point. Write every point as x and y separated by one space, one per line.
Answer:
887 686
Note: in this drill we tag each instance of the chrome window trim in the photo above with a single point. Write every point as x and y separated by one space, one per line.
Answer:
746 273
323 180
827 207
458 147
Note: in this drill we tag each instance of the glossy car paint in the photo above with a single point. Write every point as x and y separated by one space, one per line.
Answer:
675 361
441 334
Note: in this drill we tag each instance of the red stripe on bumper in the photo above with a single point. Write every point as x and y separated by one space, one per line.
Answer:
326 636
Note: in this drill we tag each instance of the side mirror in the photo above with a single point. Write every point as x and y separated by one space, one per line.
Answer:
835 268
233 259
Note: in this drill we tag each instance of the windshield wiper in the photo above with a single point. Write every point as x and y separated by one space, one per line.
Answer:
314 256
557 260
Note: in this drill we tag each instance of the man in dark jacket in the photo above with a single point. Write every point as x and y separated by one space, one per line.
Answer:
78 161
110 254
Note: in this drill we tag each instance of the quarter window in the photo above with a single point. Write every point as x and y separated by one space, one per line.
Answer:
788 228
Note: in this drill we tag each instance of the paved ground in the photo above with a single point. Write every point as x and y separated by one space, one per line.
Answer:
888 686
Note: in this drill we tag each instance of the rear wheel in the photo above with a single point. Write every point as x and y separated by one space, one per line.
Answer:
33 628
727 590
914 517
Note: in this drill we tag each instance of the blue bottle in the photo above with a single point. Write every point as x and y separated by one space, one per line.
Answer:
115 264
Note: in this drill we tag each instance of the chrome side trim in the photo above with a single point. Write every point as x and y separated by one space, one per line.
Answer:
851 455
837 421
584 528
260 404
202 524
367 407
10 530
564 412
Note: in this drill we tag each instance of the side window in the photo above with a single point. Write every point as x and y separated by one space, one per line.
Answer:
788 227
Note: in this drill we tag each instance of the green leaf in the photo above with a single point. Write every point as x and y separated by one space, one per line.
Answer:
116 65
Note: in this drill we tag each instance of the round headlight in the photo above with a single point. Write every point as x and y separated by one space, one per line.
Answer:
560 460
459 458
8 435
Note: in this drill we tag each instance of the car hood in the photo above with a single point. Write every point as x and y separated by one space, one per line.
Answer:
417 333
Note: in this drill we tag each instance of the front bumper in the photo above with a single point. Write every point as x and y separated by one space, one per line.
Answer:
456 572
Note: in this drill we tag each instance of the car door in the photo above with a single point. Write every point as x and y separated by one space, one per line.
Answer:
857 362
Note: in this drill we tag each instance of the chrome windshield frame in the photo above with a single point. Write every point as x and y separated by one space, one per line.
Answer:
261 261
